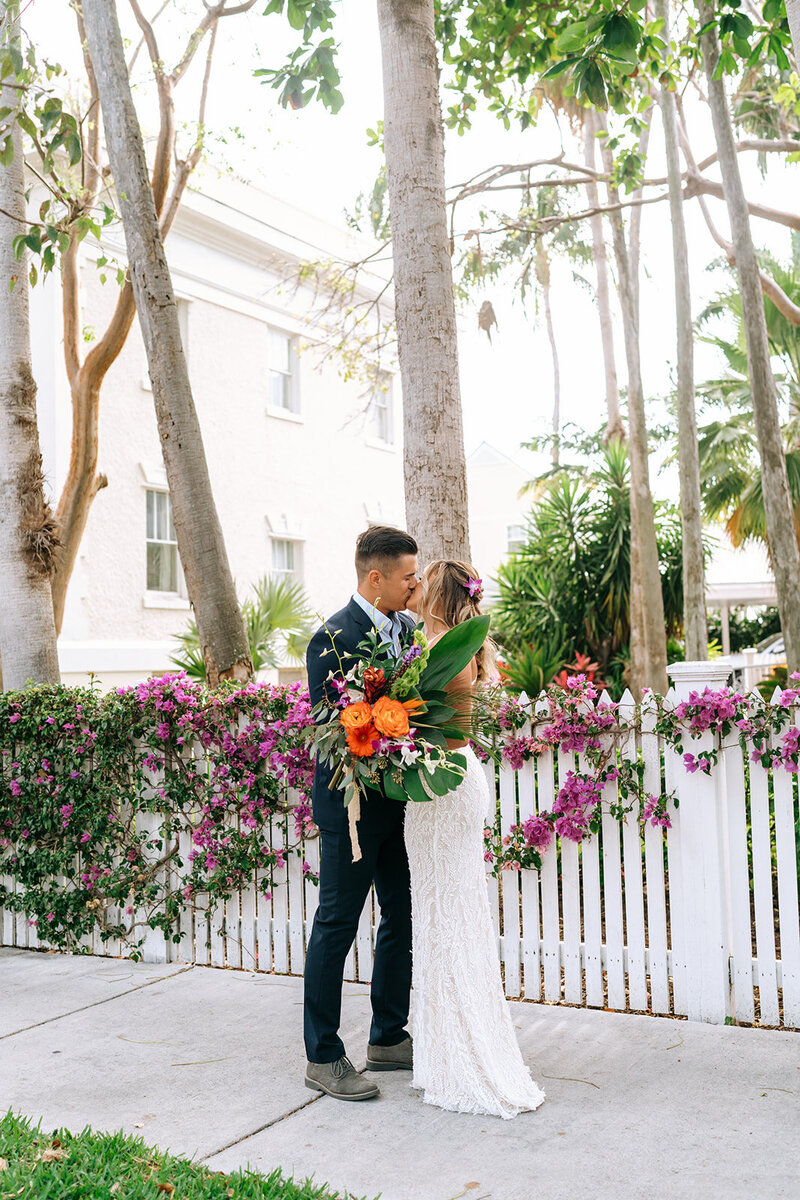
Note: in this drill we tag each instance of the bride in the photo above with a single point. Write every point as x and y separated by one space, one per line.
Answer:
466 1057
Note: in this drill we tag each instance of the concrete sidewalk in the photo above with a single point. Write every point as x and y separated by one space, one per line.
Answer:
209 1063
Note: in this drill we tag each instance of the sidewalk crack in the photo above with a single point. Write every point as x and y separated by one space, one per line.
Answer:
261 1128
96 1003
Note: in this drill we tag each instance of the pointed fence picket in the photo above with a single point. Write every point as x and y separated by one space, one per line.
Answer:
512 916
656 880
673 770
529 886
607 923
633 884
766 969
550 891
786 854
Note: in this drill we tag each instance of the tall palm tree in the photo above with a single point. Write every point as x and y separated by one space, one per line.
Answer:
728 446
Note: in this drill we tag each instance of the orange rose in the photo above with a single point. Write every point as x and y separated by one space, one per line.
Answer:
390 717
361 738
356 715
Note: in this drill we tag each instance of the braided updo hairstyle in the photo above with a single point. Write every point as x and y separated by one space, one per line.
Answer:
445 594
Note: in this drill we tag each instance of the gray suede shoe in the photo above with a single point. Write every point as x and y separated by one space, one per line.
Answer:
339 1079
391 1058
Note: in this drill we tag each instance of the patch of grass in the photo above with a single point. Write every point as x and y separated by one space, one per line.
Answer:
114 1166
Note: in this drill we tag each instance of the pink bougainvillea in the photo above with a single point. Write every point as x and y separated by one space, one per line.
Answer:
229 772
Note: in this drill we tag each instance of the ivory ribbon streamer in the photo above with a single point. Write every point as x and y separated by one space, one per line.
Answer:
353 817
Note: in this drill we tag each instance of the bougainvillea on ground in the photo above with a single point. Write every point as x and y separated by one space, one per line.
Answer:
229 770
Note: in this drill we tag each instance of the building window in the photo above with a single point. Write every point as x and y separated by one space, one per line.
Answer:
163 564
282 372
286 559
382 412
515 538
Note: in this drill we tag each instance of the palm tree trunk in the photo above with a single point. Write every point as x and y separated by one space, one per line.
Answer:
615 430
200 541
548 318
543 277
648 632
434 465
784 551
28 533
695 628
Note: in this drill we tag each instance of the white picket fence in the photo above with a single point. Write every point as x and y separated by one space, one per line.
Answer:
703 921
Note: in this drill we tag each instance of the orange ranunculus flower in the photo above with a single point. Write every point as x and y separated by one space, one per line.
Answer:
356 715
360 739
390 717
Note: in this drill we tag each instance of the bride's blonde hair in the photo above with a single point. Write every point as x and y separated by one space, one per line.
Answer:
446 586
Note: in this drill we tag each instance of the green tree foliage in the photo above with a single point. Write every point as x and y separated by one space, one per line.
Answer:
310 71
604 51
567 590
279 625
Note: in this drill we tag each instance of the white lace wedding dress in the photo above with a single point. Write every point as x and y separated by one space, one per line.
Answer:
466 1057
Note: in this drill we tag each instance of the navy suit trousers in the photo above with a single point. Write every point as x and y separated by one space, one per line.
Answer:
343 890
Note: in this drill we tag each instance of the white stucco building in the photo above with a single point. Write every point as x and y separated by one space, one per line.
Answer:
300 461
497 512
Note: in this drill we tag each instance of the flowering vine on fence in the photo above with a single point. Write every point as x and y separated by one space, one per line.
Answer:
79 769
566 719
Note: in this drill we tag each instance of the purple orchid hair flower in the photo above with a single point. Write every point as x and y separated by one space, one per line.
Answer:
474 587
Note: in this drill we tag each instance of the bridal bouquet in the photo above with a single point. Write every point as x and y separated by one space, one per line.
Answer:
385 721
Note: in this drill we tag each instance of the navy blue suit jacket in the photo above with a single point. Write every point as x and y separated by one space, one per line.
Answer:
379 813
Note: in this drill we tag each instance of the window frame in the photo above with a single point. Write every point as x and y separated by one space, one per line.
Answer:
154 594
382 401
515 544
295 573
290 375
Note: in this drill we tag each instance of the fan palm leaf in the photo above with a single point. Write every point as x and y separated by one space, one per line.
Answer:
279 624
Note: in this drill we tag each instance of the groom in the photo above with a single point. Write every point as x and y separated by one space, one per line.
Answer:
386 569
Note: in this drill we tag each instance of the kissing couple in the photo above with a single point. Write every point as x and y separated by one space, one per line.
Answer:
426 863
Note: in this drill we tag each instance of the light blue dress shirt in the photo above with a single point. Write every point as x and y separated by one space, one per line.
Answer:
389 628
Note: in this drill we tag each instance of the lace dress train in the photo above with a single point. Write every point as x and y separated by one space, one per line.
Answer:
466 1056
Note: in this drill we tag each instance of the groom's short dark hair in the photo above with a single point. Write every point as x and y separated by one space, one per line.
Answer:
379 545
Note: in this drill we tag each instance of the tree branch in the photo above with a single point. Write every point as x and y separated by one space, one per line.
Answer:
696 185
209 21
769 287
184 167
140 43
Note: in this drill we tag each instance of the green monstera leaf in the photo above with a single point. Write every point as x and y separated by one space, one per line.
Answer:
452 652
440 781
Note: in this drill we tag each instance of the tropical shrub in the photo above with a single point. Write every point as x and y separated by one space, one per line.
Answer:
279 625
569 584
